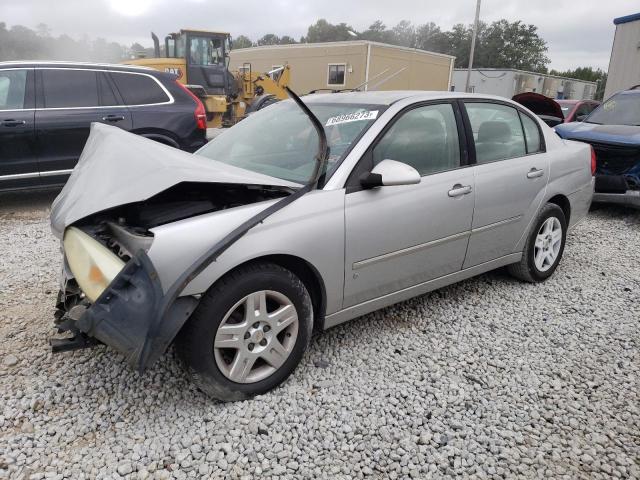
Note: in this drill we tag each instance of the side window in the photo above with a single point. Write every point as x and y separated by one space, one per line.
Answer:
336 74
70 88
497 131
138 89
531 133
13 85
107 97
425 138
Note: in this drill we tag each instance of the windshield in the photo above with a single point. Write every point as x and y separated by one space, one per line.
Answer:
621 109
280 140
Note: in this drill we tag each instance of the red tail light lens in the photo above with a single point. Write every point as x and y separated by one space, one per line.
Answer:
593 161
200 113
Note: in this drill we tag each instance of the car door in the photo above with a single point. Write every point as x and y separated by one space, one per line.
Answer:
18 160
68 101
400 236
511 174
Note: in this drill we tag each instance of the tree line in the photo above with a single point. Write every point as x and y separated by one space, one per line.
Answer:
500 44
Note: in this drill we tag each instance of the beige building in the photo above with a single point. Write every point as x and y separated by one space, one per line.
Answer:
624 66
346 65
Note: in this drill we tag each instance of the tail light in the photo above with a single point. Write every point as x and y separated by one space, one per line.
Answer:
200 113
593 161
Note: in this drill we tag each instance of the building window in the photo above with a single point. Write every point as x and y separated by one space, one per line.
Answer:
336 75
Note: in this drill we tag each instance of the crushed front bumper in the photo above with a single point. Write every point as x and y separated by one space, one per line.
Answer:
132 315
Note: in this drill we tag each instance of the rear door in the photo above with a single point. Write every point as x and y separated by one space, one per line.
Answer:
68 101
18 161
511 174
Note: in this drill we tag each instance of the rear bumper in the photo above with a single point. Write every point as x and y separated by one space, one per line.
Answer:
630 198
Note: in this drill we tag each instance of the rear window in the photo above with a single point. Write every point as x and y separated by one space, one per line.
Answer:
138 89
13 84
65 88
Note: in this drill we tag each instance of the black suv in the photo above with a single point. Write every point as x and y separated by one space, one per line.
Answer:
46 109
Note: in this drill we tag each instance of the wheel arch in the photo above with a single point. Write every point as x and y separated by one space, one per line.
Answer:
305 271
563 202
159 136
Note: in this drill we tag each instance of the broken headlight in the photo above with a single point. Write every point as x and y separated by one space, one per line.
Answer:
93 265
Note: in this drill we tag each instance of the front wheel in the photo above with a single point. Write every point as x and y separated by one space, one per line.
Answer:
248 333
544 247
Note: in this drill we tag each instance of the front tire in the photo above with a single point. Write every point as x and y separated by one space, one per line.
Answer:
544 247
248 333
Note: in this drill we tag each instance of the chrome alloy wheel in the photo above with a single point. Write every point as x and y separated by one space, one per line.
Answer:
256 336
548 243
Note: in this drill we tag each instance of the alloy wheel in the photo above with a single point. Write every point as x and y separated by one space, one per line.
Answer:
256 336
548 243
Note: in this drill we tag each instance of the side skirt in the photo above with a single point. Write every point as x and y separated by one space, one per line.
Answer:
369 306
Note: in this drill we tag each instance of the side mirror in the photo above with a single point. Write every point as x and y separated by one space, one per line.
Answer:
388 173
580 118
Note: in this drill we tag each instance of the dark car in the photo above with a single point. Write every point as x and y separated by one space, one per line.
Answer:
577 110
544 107
46 109
613 129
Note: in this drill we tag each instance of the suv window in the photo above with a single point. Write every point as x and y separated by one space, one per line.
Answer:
137 89
497 131
70 88
13 85
425 138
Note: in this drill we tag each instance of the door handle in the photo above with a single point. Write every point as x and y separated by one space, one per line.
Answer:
535 173
458 190
113 118
10 122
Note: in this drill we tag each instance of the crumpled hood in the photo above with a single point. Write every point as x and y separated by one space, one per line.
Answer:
592 132
117 167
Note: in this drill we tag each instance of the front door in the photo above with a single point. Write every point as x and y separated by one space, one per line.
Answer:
18 161
511 175
69 100
400 236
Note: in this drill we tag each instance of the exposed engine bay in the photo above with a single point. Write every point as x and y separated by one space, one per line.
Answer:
126 229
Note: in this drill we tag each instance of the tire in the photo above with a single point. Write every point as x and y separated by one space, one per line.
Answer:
221 320
527 269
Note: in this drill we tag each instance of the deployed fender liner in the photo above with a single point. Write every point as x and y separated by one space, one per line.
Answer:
136 317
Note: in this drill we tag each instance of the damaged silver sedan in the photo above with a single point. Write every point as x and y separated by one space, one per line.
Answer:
304 215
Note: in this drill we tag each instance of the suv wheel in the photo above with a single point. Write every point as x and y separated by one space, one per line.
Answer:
248 333
544 247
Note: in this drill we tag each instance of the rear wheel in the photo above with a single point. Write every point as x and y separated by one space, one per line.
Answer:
544 247
248 333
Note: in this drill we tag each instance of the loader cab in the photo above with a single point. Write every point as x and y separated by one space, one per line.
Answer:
206 56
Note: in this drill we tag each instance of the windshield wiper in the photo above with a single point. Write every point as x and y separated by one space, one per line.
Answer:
323 146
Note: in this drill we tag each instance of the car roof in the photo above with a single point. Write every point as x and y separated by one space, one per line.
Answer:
391 96
67 64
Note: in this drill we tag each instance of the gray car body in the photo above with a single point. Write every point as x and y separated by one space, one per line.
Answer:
370 248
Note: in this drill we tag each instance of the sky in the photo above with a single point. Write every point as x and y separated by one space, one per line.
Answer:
578 32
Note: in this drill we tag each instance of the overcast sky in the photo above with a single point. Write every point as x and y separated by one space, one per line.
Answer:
578 33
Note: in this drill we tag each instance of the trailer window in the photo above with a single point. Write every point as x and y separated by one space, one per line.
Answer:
336 74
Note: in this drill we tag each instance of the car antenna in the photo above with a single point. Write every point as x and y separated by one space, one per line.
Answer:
323 146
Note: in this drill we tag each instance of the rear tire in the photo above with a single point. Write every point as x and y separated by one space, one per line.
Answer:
544 247
248 333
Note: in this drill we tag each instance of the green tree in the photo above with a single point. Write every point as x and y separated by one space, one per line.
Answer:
404 34
589 74
269 39
286 39
323 31
430 37
242 41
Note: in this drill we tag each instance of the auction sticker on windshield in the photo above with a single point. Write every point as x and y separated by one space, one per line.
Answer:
352 117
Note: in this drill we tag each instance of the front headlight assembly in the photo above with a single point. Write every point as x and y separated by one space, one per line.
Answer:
93 265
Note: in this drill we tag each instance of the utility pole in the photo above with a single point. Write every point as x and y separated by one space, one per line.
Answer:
473 45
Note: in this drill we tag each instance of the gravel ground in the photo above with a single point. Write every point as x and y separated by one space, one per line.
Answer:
487 378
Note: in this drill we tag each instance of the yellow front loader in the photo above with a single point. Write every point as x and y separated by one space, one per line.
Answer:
200 59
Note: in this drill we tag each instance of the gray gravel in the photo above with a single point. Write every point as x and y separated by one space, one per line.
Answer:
490 377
